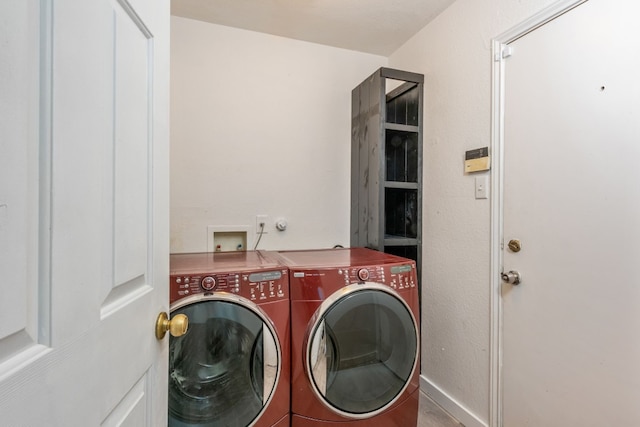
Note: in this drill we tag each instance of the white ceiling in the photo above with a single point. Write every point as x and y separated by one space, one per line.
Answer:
373 26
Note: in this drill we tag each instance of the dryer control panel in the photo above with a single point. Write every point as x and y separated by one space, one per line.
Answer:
315 284
257 286
395 276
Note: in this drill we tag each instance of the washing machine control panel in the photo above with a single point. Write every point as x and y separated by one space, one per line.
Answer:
208 283
363 274
257 286
267 286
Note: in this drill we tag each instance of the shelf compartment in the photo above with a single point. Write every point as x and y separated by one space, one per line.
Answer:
403 105
401 212
401 153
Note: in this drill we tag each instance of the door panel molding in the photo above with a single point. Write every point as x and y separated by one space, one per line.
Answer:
24 183
131 193
132 410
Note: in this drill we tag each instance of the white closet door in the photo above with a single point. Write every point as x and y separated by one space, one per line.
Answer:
83 211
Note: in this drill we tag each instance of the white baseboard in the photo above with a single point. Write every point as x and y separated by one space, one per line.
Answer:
457 411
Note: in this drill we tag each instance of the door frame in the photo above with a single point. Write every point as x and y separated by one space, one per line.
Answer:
500 51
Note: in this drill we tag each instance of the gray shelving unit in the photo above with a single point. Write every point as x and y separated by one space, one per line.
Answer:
386 163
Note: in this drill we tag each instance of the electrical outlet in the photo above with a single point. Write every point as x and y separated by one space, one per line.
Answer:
262 219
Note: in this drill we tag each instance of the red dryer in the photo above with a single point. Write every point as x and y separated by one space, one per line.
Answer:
232 367
354 338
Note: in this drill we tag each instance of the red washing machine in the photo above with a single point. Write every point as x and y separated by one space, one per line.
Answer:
232 367
354 338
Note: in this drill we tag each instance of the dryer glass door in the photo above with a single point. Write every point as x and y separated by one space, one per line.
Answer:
362 352
223 371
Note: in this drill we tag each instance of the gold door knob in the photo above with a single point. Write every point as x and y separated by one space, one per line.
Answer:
177 326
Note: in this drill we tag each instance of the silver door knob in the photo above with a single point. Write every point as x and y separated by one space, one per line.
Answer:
512 277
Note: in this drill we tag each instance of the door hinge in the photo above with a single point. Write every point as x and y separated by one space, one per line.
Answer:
506 52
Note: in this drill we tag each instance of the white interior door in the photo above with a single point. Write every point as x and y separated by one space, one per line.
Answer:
83 211
571 348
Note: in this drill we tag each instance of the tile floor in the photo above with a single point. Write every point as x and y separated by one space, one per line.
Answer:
432 415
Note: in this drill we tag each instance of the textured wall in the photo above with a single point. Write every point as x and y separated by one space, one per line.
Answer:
454 54
260 125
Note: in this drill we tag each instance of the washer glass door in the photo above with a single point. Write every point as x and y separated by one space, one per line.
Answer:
223 371
362 350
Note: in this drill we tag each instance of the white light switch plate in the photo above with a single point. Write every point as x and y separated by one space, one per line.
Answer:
482 187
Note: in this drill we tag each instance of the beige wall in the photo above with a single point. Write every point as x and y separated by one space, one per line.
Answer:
454 54
260 125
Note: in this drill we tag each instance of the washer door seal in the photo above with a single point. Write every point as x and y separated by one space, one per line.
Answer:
226 368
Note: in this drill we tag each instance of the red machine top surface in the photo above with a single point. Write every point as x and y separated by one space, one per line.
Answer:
344 257
210 262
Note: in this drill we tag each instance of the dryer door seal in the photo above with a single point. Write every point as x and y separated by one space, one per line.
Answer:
362 350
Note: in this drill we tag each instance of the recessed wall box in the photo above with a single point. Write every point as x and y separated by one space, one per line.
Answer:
227 238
